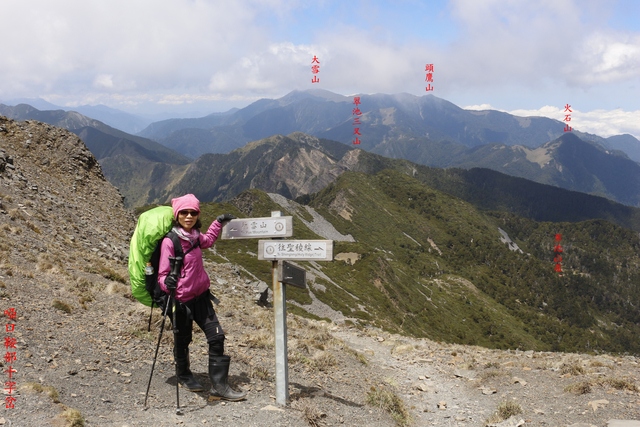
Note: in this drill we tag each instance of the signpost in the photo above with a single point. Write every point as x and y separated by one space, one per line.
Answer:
298 250
251 228
289 274
283 273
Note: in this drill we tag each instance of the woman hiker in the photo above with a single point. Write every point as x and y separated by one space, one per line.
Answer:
193 297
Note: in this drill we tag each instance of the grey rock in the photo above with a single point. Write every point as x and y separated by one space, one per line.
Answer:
511 422
465 373
263 294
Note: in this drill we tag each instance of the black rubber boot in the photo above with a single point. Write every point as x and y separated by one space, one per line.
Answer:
185 376
218 374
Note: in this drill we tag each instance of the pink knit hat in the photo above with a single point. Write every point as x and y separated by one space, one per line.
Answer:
188 201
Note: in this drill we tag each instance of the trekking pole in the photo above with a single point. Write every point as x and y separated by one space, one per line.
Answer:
150 316
176 267
164 317
175 336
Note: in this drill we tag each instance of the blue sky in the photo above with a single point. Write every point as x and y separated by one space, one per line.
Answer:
194 57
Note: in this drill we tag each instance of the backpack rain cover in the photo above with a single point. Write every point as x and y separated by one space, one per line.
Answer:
152 226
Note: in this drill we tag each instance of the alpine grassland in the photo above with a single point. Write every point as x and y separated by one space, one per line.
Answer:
431 265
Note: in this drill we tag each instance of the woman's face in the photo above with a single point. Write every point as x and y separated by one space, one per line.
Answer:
187 219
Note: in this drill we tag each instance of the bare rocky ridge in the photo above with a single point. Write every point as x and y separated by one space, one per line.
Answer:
82 345
55 195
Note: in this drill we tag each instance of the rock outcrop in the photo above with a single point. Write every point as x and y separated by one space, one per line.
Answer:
54 197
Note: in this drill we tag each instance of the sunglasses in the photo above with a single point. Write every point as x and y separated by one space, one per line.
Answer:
187 213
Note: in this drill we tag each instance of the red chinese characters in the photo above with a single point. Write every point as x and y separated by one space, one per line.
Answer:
356 113
315 69
428 76
567 117
557 254
10 356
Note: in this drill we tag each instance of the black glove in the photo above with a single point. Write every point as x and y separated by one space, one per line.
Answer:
171 282
224 218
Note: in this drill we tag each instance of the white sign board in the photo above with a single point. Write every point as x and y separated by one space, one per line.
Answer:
251 228
299 250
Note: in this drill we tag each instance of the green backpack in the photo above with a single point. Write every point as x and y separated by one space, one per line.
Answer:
153 225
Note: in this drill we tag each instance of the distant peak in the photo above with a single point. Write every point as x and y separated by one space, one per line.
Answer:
314 93
569 137
303 138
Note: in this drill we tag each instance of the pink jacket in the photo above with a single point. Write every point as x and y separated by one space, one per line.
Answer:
193 280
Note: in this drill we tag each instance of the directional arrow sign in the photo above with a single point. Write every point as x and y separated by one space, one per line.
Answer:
289 274
299 250
251 228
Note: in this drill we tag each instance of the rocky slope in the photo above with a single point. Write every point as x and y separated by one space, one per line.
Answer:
54 198
83 353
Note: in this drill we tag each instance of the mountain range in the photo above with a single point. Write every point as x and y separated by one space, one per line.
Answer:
298 165
429 131
388 124
127 122
426 130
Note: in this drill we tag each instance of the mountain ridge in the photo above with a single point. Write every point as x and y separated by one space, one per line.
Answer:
426 130
567 162
600 171
77 122
333 113
127 122
297 165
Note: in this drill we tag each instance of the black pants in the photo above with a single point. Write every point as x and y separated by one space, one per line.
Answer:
201 311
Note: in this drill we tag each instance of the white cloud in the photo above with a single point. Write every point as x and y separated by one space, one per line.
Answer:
103 81
608 58
479 107
604 123
186 51
608 122
513 40
268 71
150 44
547 46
